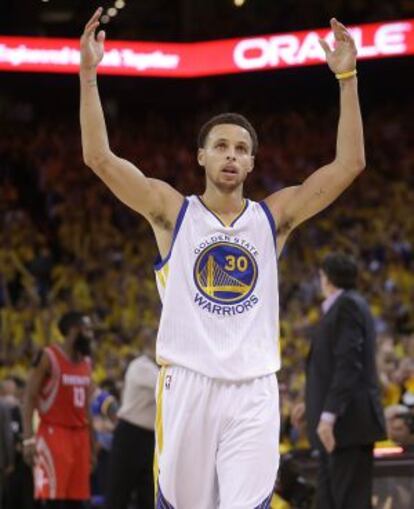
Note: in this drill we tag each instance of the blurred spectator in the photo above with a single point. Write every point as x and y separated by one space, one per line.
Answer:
19 486
400 426
6 447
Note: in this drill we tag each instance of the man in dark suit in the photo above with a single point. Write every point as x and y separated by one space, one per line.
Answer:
343 408
6 446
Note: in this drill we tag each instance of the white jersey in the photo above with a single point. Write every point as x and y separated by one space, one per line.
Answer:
219 290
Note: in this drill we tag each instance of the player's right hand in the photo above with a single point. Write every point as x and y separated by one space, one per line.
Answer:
29 453
91 48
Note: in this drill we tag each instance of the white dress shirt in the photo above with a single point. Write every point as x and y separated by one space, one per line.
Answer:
138 399
330 301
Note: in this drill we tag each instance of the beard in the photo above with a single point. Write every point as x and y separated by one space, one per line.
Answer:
82 345
227 186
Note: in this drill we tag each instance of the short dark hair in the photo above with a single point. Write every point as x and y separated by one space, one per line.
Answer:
341 270
228 118
69 320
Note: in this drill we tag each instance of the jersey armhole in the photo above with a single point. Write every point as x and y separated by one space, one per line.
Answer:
271 220
159 262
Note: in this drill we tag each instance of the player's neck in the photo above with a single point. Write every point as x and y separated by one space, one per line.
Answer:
330 290
223 203
70 353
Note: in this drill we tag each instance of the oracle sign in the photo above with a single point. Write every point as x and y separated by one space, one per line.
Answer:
304 48
189 60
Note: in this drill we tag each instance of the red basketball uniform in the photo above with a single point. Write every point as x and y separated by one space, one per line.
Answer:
62 465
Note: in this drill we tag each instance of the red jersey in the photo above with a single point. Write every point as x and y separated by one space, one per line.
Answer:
63 396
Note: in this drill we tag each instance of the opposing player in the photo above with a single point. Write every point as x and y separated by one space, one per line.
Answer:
59 387
217 418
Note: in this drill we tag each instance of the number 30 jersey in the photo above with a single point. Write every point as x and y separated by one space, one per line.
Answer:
64 397
219 292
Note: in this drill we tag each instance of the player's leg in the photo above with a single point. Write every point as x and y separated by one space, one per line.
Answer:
185 441
248 453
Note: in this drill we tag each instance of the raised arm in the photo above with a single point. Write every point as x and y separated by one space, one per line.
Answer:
154 199
293 205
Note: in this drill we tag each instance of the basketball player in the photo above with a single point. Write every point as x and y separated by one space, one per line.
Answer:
217 421
59 387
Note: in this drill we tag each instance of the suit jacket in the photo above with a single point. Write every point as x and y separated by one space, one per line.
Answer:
341 374
6 437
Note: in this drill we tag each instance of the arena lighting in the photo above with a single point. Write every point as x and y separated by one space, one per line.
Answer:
239 3
189 60
387 451
113 11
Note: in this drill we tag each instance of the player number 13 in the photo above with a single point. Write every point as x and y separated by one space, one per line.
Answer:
79 397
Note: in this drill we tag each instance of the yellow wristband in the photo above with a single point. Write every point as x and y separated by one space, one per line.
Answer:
346 75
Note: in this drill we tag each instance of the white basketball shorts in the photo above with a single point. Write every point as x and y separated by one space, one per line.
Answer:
217 442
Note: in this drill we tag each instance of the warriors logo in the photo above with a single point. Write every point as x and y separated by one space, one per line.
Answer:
225 273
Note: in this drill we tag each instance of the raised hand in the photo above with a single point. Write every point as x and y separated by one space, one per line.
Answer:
91 48
343 57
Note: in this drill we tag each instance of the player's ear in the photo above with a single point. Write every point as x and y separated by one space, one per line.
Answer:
251 164
200 156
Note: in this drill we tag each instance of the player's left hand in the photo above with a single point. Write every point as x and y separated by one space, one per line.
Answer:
326 435
343 57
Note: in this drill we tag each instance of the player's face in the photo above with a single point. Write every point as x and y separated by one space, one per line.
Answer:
84 337
227 156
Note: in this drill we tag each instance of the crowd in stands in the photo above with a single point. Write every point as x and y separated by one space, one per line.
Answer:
261 17
67 243
196 20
